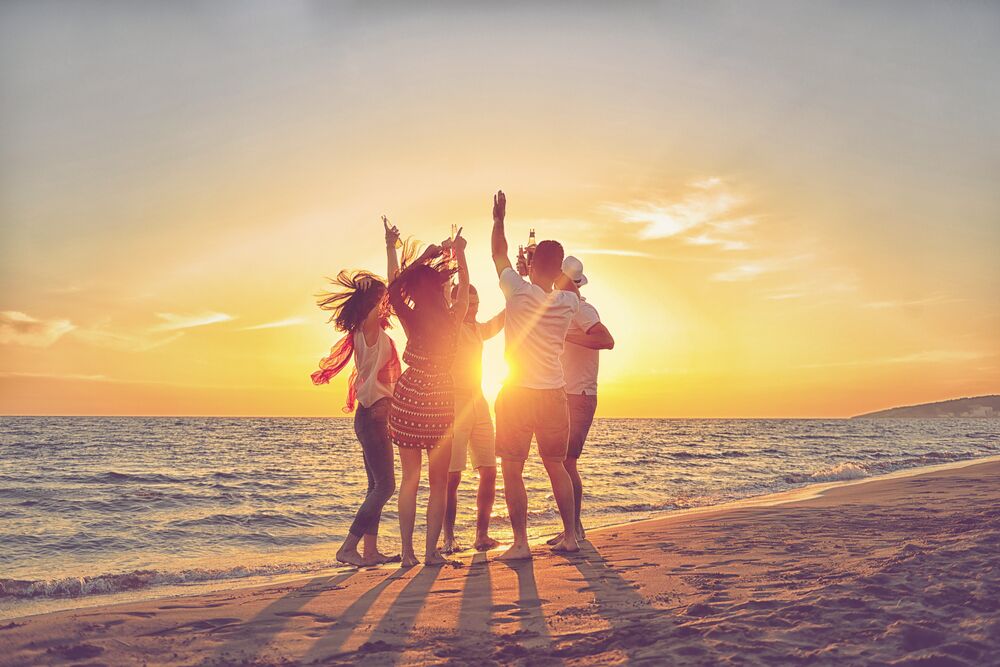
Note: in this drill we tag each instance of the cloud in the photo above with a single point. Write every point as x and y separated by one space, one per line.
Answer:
746 271
906 303
922 357
56 376
102 337
173 322
287 322
21 329
614 252
705 215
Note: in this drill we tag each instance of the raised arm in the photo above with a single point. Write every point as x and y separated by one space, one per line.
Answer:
597 338
396 298
391 240
494 325
461 305
498 241
566 284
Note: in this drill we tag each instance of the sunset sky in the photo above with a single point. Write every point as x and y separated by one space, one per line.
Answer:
784 209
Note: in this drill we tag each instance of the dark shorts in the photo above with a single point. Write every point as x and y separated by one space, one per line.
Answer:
523 413
581 416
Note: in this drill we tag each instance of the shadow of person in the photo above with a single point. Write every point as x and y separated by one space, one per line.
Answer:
617 602
392 634
348 620
270 620
532 640
475 612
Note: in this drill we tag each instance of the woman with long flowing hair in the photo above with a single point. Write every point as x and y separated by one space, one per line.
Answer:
423 407
360 309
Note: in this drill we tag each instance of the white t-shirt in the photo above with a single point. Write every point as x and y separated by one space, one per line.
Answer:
580 363
369 361
536 324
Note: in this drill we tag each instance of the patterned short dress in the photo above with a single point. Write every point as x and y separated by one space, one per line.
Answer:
423 403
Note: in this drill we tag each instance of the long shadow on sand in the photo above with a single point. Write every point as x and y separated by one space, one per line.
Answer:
347 622
270 620
475 612
618 603
532 639
399 620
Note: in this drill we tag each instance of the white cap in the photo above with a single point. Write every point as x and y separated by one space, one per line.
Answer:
573 268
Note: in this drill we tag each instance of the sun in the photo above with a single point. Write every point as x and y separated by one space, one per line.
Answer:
494 372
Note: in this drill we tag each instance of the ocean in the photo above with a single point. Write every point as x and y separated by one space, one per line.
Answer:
97 509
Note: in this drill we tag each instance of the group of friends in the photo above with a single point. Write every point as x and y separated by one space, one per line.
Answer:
436 407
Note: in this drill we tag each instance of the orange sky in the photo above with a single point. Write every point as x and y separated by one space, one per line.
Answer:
784 215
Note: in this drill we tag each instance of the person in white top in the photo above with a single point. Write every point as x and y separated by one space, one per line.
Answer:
580 362
532 402
360 309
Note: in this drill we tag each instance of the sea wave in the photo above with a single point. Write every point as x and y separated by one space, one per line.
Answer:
837 473
102 584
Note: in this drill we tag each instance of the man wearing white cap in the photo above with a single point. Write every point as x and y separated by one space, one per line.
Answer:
580 359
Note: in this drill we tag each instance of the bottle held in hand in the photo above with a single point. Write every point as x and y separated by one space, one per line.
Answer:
522 261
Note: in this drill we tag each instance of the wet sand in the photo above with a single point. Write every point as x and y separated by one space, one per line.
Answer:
902 571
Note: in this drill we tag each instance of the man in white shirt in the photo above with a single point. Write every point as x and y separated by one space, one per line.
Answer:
532 402
580 363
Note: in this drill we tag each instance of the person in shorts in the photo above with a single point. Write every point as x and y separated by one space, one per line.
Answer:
473 436
587 336
533 402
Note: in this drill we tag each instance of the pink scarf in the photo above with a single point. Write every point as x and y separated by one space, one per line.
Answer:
340 354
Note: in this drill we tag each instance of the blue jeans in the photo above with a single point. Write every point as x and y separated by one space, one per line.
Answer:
371 425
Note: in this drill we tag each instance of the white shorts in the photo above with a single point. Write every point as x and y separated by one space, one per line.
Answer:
474 437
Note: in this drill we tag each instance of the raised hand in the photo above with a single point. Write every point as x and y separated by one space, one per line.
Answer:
459 241
430 253
499 206
364 282
391 233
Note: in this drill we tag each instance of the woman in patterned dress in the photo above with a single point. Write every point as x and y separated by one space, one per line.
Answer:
423 406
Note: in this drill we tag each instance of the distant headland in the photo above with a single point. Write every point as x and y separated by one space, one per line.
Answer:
978 406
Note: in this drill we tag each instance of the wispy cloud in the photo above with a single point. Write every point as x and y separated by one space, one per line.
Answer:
922 357
127 342
57 376
615 252
707 214
22 329
908 303
174 322
287 322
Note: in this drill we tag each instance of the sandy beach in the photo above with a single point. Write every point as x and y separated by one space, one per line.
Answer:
902 571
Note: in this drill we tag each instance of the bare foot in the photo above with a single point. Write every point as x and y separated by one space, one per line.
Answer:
435 559
555 540
485 543
350 557
451 545
379 558
516 552
408 560
566 546
581 534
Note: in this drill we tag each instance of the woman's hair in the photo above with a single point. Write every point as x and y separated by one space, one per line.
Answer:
350 303
417 296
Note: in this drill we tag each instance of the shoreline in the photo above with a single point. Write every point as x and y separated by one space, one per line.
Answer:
179 590
901 568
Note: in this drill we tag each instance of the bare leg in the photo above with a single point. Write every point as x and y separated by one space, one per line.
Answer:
562 490
372 556
574 475
437 475
517 507
348 551
410 458
484 507
451 509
